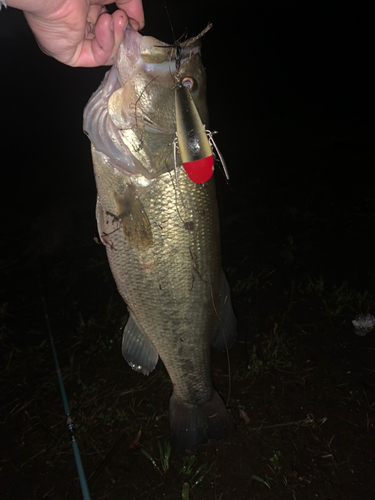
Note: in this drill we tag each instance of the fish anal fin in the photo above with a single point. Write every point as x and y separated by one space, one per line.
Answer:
137 349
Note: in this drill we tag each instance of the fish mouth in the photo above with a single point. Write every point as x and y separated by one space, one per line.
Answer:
119 114
154 51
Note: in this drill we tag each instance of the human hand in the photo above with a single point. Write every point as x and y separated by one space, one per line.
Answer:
80 32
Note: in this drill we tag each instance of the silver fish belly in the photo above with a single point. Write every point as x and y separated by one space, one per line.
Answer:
161 236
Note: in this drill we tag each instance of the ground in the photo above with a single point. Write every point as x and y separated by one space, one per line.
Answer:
299 383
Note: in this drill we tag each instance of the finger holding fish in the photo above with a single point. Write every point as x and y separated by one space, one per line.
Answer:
80 32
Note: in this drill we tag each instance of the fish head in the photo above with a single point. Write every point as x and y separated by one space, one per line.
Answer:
131 118
147 74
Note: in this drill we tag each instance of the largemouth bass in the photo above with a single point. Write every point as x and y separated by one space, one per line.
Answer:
161 230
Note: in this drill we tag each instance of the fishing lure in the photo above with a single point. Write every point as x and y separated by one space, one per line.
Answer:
194 147
195 144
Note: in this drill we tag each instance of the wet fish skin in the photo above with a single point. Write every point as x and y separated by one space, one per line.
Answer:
162 239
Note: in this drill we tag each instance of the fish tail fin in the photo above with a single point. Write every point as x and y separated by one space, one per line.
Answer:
192 425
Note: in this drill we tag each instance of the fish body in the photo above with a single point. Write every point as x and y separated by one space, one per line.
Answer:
161 231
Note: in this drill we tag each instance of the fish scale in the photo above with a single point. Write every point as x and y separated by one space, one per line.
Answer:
168 285
161 236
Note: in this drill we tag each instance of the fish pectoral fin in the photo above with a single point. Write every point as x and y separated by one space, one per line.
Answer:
137 349
135 223
227 324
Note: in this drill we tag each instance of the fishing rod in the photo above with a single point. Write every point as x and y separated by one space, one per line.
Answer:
69 421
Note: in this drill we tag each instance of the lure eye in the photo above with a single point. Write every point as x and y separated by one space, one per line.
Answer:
188 83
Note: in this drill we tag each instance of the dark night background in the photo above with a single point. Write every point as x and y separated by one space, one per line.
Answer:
271 64
291 92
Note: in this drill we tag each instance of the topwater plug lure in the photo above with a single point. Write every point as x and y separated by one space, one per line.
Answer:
195 143
194 147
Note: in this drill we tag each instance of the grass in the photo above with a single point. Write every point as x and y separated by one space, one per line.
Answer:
196 473
107 399
269 350
337 298
164 454
266 481
254 282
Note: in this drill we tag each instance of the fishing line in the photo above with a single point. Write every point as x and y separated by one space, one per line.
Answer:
170 21
69 422
229 372
107 459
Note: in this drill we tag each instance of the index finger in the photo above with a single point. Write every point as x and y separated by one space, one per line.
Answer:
134 11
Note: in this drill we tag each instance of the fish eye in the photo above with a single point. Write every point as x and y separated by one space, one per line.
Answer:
188 82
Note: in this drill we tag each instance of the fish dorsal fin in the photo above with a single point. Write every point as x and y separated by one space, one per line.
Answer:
137 349
227 324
